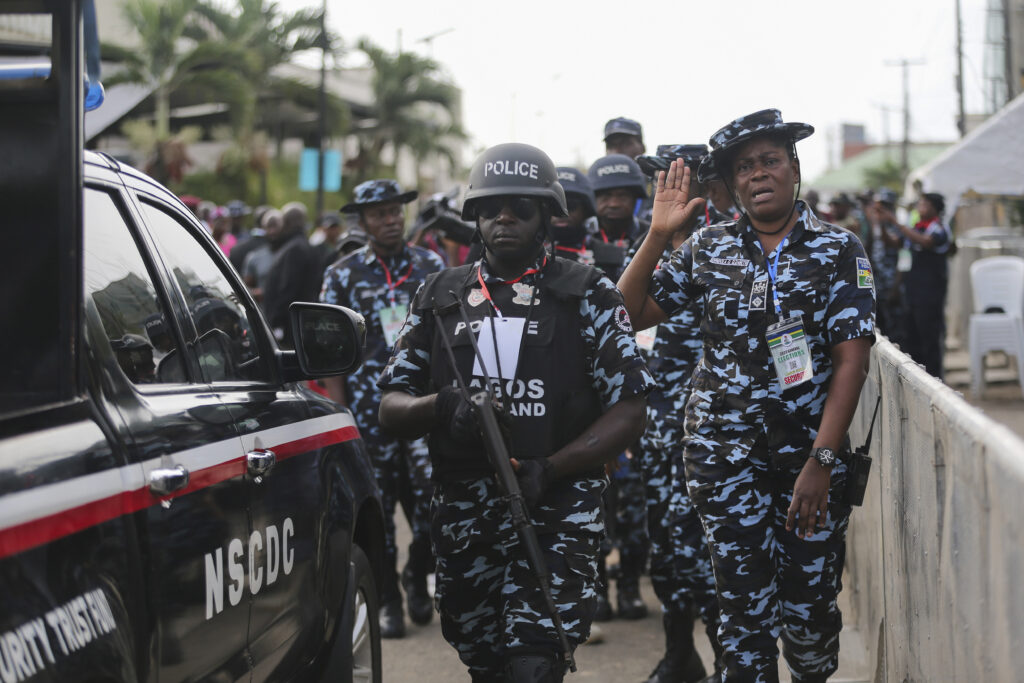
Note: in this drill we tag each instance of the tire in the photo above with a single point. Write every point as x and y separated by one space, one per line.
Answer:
364 619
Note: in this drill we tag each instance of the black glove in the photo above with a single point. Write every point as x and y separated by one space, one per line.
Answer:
458 416
534 477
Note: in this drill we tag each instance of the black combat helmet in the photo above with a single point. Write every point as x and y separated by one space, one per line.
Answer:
514 169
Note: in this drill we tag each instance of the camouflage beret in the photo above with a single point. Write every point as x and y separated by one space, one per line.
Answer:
764 122
378 192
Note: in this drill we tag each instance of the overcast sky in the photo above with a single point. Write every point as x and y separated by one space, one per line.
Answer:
551 73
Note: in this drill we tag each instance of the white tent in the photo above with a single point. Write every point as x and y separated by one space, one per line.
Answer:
989 161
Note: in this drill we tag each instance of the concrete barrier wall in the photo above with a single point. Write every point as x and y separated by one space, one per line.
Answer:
935 559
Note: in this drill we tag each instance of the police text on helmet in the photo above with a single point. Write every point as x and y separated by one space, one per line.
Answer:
614 168
511 167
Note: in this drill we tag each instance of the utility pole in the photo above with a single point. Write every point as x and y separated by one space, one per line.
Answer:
322 116
961 120
1008 51
905 65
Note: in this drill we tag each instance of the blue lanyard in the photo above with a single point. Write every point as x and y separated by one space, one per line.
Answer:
773 270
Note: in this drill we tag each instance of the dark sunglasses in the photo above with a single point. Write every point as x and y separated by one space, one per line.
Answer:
524 208
572 204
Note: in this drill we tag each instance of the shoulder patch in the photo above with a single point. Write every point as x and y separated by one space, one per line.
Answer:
865 280
622 319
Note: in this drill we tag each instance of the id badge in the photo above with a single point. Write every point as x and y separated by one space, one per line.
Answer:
904 260
392 319
790 353
645 338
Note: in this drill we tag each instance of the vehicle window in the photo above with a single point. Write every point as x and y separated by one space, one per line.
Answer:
227 349
116 279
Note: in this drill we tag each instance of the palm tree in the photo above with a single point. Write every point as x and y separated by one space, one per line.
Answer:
412 100
168 61
269 38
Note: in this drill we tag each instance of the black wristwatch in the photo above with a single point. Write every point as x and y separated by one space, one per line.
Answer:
825 456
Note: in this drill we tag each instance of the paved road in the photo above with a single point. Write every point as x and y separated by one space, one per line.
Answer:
629 652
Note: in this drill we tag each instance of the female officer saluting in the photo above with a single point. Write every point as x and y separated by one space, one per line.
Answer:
787 322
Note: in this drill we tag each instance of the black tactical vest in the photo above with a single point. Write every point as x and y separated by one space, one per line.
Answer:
551 401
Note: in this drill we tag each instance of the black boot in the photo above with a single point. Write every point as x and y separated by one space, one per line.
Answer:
414 581
627 597
392 620
681 663
534 668
603 612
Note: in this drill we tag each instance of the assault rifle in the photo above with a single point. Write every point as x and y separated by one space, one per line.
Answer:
498 456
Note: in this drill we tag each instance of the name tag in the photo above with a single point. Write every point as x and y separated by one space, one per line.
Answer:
791 354
392 319
732 262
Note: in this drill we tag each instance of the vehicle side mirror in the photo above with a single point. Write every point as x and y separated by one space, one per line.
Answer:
328 339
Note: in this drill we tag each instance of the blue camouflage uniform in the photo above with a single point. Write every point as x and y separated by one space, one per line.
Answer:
884 262
680 564
360 282
487 595
746 439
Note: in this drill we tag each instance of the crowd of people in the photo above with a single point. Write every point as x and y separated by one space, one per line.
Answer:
674 345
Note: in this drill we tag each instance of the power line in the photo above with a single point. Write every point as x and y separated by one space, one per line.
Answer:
905 65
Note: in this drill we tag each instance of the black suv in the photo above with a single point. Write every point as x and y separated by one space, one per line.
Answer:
175 504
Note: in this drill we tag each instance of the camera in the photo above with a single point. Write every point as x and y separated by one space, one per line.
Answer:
439 213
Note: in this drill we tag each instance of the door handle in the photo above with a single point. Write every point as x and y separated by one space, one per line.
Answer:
260 462
164 481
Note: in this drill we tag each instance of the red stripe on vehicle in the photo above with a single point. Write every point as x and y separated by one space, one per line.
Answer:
40 531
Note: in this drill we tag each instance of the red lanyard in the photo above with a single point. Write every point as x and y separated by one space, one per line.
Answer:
619 242
487 292
707 214
387 275
559 247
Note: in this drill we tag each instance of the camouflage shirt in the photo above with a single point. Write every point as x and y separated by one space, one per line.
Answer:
360 282
823 276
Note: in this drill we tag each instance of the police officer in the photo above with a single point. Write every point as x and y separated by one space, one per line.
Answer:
680 564
624 136
572 385
883 246
788 322
379 280
926 282
570 234
618 184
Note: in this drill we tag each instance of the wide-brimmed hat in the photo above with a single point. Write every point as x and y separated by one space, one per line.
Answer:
378 192
727 138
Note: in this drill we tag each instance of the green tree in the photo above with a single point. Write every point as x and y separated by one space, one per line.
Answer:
887 174
415 109
166 60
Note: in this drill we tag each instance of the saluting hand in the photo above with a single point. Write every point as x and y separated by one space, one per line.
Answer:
673 207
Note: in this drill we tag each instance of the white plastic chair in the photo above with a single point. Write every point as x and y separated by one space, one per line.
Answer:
997 323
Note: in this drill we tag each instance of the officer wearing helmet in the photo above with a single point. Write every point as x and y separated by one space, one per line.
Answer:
569 234
618 183
572 385
379 280
787 317
680 564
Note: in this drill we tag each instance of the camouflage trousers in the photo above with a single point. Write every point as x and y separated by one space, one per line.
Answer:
771 583
680 566
487 594
402 469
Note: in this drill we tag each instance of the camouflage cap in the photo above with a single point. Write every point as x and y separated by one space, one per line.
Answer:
237 208
841 198
887 197
575 182
623 126
378 192
726 138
